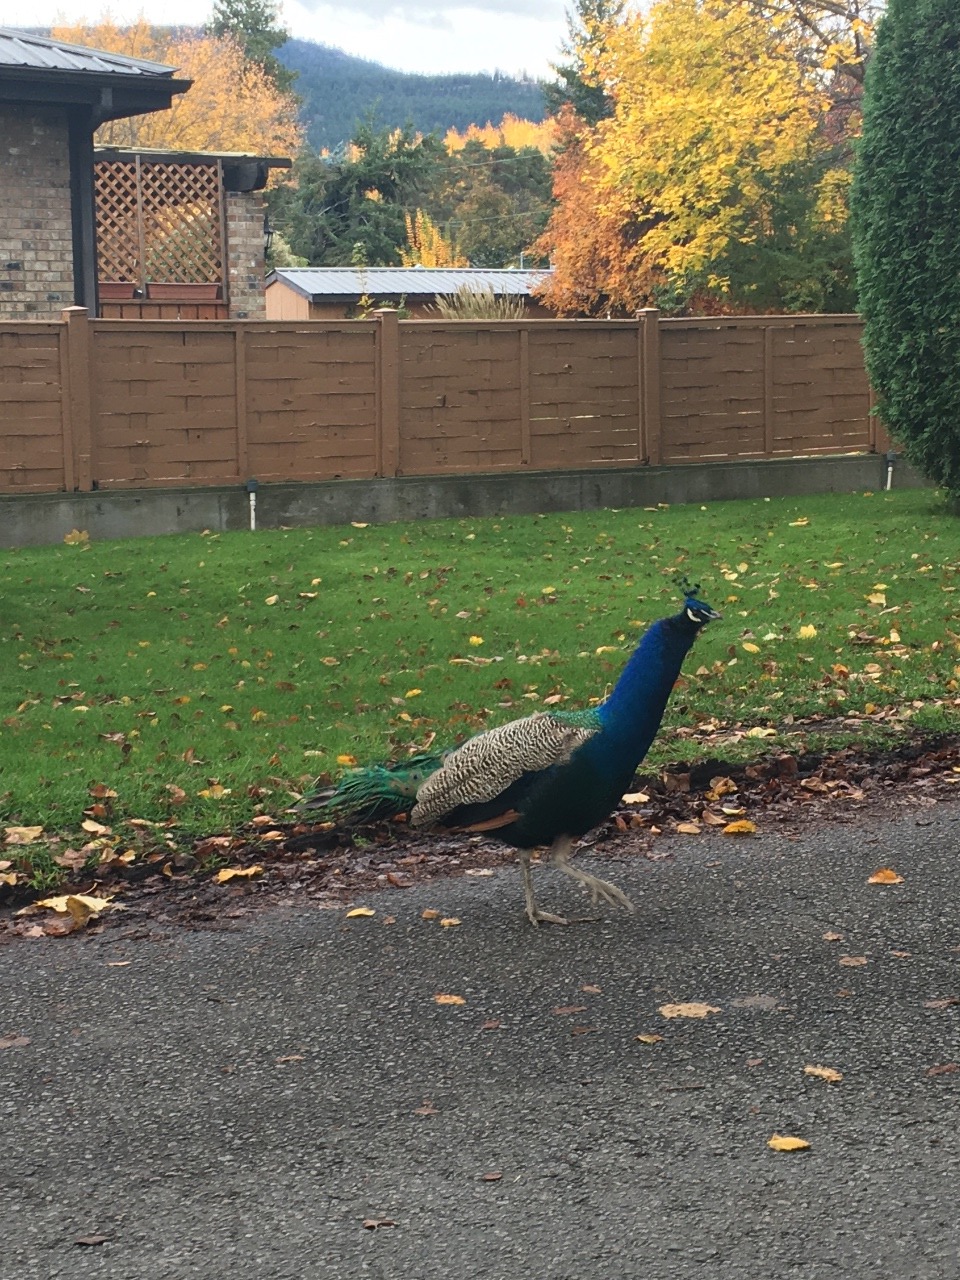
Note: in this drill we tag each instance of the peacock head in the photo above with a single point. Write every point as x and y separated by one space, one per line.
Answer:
694 608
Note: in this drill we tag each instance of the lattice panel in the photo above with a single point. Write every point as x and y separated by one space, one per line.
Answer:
159 222
118 235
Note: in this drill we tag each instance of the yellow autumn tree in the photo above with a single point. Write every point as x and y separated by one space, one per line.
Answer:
231 106
707 171
512 131
426 245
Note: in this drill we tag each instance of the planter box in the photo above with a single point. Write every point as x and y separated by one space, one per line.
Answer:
183 292
115 290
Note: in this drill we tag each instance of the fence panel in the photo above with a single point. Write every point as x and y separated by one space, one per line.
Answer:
460 407
165 404
310 399
31 408
711 391
584 394
821 397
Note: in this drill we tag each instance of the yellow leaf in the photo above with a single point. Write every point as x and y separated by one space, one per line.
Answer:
449 922
330 662
744 827
807 631
413 693
798 524
76 537
476 641
442 998
215 792
360 911
237 873
636 797
876 597
689 828
357 524
22 835
824 1073
759 732
886 875
693 1009
853 962
80 905
548 591
347 760
750 648
648 1039
95 828
783 1142
8 877
429 914
271 600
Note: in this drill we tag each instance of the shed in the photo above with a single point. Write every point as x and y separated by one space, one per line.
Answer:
53 96
326 293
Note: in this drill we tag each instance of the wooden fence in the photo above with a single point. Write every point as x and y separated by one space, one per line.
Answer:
119 404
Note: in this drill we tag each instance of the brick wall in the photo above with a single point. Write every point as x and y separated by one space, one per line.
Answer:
36 239
245 266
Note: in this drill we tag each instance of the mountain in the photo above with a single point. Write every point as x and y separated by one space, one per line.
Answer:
337 89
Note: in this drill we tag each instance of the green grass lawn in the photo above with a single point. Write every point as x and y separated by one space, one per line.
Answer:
204 678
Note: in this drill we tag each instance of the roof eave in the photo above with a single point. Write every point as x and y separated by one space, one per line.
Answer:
111 96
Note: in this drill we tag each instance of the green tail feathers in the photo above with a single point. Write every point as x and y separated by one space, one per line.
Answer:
373 794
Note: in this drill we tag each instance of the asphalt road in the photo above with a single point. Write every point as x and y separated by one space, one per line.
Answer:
237 1103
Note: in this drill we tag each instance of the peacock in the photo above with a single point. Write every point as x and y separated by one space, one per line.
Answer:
545 779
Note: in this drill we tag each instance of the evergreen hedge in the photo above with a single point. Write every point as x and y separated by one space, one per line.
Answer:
906 225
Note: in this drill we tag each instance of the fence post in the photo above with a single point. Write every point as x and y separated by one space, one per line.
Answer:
388 392
77 400
649 341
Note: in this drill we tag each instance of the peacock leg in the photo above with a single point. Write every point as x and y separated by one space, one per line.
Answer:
534 914
597 888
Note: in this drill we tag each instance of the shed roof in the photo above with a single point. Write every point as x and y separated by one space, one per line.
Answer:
351 282
23 49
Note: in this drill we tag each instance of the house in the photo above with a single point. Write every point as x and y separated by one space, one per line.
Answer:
332 293
53 96
125 233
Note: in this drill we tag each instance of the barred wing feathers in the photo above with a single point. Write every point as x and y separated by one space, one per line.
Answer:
487 765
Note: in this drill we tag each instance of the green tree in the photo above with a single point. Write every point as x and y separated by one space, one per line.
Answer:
905 207
586 26
360 197
256 25
495 201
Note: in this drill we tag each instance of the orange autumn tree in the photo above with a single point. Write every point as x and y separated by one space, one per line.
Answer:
512 131
703 186
231 106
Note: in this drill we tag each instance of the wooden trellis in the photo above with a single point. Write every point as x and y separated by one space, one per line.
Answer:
160 223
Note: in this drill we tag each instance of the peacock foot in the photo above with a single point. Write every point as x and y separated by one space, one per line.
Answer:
604 891
536 917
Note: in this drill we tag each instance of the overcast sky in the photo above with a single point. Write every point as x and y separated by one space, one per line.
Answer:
412 35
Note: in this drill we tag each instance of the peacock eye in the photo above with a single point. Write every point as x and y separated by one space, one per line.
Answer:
694 617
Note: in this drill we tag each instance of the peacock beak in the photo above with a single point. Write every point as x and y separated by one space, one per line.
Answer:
713 616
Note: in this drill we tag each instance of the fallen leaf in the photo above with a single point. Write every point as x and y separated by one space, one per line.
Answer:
90 1240
372 1224
636 797
689 828
759 732
807 631
235 873
442 998
290 1057
945 1069
582 1031
76 537
693 1009
783 1142
429 914
79 905
449 922
646 1038
426 1109
563 1009
754 1062
853 962
491 1024
95 828
22 835
591 990
743 827
14 1042
824 1073
271 600
491 1177
941 1004
833 937
347 760
750 648
360 911
886 875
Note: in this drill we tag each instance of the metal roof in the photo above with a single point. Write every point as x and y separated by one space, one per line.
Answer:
348 282
21 49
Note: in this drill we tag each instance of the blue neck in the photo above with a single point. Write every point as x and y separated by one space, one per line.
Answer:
631 715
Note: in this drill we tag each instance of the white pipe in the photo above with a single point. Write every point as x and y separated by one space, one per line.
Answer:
253 510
